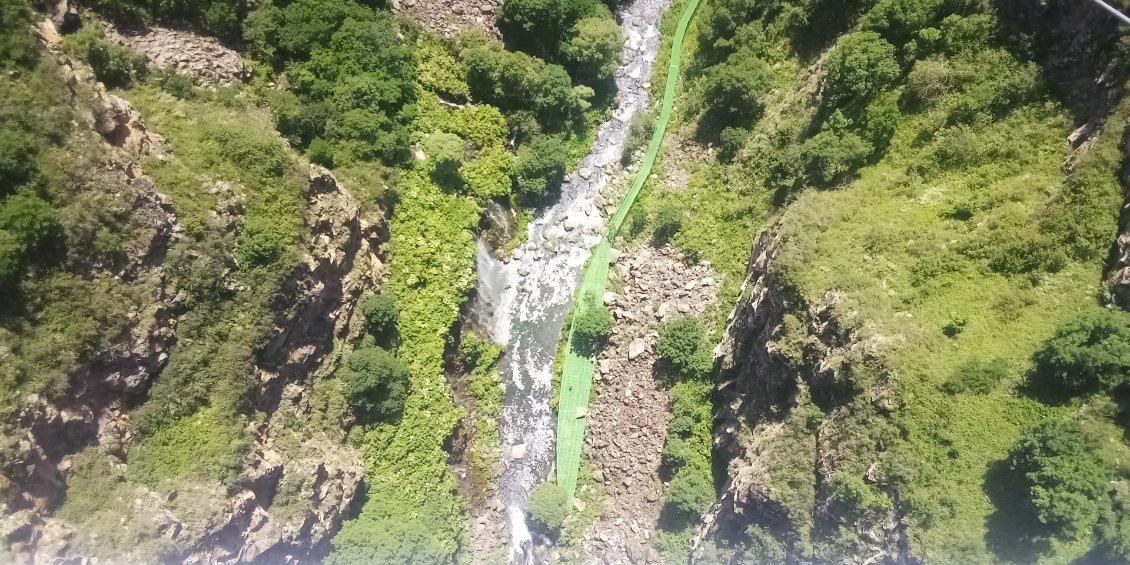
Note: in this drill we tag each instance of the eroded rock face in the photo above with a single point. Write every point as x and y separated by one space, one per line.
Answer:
781 360
290 500
1118 273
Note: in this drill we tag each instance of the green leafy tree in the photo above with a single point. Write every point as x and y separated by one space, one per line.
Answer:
691 492
114 65
668 222
321 152
733 90
17 47
593 326
11 260
381 314
1090 353
491 175
1066 482
595 51
375 383
32 222
730 142
17 159
541 27
682 344
863 65
548 507
830 157
540 168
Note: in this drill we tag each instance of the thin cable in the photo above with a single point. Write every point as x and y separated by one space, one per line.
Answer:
1118 14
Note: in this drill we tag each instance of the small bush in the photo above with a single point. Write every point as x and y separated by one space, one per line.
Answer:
1066 482
928 82
637 219
548 507
856 500
593 327
691 491
730 142
375 383
541 168
1090 353
639 134
682 344
33 223
763 548
668 222
381 314
321 152
11 260
831 157
174 83
976 377
17 159
862 66
116 66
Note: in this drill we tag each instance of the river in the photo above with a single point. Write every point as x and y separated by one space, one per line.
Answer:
524 301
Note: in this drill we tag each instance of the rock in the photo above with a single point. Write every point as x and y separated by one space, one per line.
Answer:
598 476
523 271
518 451
579 504
708 281
610 298
691 285
683 308
636 348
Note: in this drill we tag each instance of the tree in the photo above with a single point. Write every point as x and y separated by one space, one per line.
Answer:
540 168
668 222
682 344
548 506
862 66
375 383
1065 481
541 27
381 314
976 377
320 152
595 51
691 491
491 175
445 158
114 65
31 222
730 142
593 326
17 159
831 156
733 90
11 260
1088 354
17 47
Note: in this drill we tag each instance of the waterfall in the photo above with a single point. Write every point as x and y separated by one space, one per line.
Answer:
529 297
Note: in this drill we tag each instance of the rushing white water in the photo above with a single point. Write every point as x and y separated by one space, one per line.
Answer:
531 295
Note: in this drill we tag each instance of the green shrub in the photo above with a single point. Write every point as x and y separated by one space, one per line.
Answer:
516 82
18 151
1090 353
668 222
375 383
863 65
730 142
1066 483
976 377
381 314
320 152
11 260
178 85
682 344
763 548
857 501
593 326
540 168
595 51
548 506
17 47
639 134
116 66
543 27
830 157
491 175
733 91
691 491
32 222
208 444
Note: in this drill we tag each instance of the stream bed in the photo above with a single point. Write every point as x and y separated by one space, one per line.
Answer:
524 302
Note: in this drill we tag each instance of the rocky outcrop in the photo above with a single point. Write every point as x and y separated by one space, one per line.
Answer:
1117 280
449 17
205 59
797 387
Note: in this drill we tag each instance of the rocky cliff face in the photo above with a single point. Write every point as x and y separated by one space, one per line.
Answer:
449 17
801 397
299 485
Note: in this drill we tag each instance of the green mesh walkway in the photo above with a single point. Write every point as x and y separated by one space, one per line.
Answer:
576 375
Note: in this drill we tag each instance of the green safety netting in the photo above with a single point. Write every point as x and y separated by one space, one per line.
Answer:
576 374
